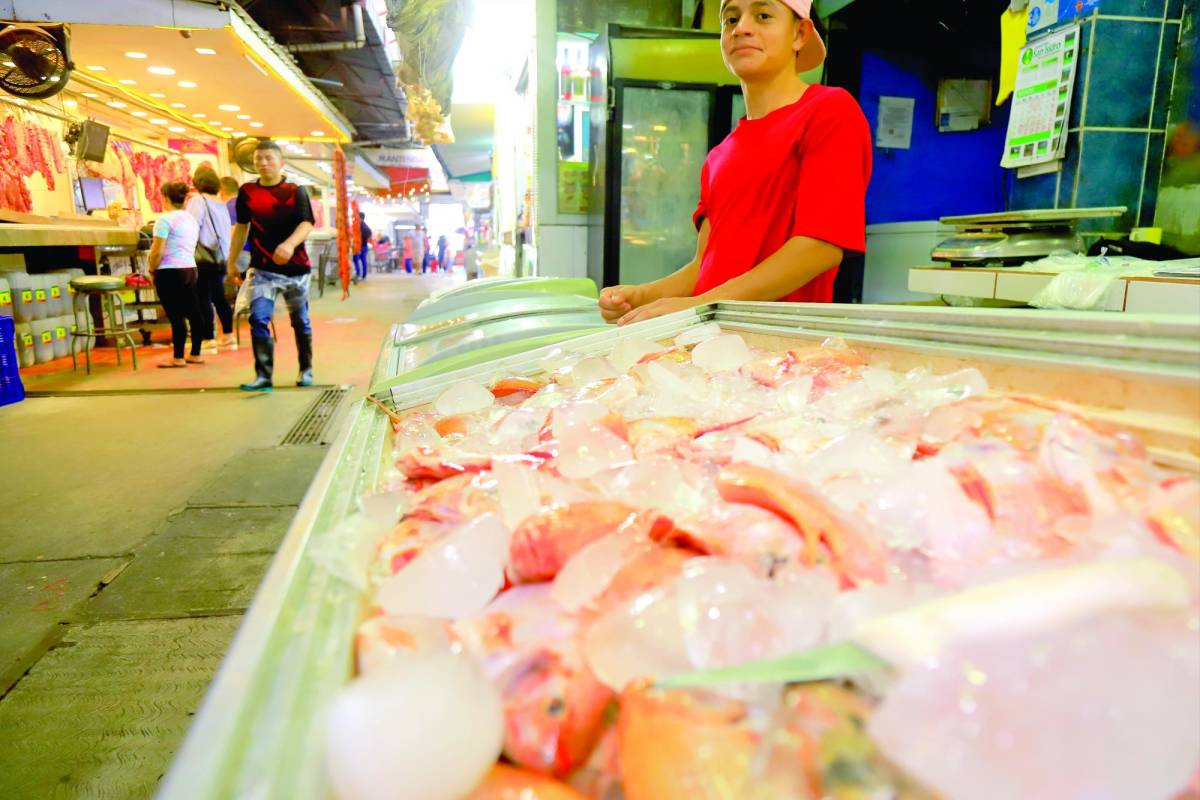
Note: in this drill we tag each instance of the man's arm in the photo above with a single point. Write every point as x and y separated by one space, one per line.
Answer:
617 301
801 259
287 248
237 241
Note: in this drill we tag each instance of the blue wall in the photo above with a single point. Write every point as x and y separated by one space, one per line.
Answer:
944 173
1119 110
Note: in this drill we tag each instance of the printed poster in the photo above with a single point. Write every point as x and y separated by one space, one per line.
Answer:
1037 128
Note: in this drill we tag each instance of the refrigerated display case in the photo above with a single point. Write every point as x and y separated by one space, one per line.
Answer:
259 731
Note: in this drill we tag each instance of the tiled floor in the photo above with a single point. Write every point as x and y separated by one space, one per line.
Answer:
138 514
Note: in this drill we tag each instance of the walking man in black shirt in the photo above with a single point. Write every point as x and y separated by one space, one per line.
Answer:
277 217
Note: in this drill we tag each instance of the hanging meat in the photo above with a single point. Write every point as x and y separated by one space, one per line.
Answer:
14 194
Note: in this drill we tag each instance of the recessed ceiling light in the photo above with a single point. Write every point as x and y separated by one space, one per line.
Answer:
178 105
96 68
158 121
228 128
199 115
70 103
176 129
255 124
214 122
243 116
89 94
116 104
157 95
161 71
229 107
135 54
206 51
127 82
317 133
139 113
186 84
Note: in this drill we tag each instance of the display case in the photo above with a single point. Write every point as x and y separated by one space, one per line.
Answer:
259 732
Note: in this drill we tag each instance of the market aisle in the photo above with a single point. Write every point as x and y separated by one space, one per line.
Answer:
134 540
346 337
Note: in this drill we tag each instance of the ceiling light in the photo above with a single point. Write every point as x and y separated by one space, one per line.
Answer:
96 68
214 122
186 84
176 129
116 104
239 134
158 121
70 103
199 116
243 116
316 133
228 129
138 113
178 105
229 107
206 51
161 71
157 95
256 124
90 94
135 54
127 82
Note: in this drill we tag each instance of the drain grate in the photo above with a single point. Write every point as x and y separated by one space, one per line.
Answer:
311 428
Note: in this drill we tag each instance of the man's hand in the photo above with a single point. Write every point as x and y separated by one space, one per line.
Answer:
617 301
283 254
659 308
233 276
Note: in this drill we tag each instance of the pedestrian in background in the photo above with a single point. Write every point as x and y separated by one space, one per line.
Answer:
442 246
173 268
408 253
419 261
360 258
211 256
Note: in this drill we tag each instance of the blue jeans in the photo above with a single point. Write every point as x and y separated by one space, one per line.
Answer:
360 264
264 288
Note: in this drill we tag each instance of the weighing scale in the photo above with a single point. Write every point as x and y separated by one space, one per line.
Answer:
1011 238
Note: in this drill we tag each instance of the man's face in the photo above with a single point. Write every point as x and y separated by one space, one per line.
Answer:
760 36
268 163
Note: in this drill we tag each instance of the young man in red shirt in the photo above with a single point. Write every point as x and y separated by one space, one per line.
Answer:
783 197
276 215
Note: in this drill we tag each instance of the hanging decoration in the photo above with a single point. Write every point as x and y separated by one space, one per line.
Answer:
429 34
343 211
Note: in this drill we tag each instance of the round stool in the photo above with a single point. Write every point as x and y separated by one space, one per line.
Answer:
108 289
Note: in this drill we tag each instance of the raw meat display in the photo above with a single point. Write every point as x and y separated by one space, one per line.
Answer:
1026 578
154 171
26 149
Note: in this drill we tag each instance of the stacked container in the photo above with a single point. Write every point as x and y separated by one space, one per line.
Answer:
21 286
6 303
23 333
43 339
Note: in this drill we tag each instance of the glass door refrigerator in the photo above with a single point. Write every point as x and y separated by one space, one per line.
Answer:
665 100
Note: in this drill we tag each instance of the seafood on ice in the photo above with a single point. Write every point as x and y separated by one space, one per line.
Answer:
562 541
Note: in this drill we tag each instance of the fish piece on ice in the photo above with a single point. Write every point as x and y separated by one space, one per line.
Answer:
464 397
721 353
453 577
587 573
427 726
509 783
632 349
1102 707
543 543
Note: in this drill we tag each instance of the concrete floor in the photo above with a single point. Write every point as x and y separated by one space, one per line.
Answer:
140 510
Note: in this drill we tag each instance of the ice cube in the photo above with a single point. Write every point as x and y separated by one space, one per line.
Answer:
720 353
792 396
584 450
427 726
1105 708
463 398
588 371
631 350
379 638
587 573
456 576
518 491
385 508
698 334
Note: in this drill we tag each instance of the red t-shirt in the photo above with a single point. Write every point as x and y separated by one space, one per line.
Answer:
801 170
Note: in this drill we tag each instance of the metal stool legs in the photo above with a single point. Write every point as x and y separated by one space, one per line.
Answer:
110 303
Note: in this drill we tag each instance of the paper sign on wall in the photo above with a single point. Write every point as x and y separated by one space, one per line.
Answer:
1037 128
1044 13
895 123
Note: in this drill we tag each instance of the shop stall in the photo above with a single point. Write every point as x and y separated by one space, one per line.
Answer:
1046 388
144 106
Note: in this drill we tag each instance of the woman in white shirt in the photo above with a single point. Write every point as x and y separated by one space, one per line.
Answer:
213 218
173 267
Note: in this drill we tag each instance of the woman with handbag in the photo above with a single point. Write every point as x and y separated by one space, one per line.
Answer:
212 250
173 268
